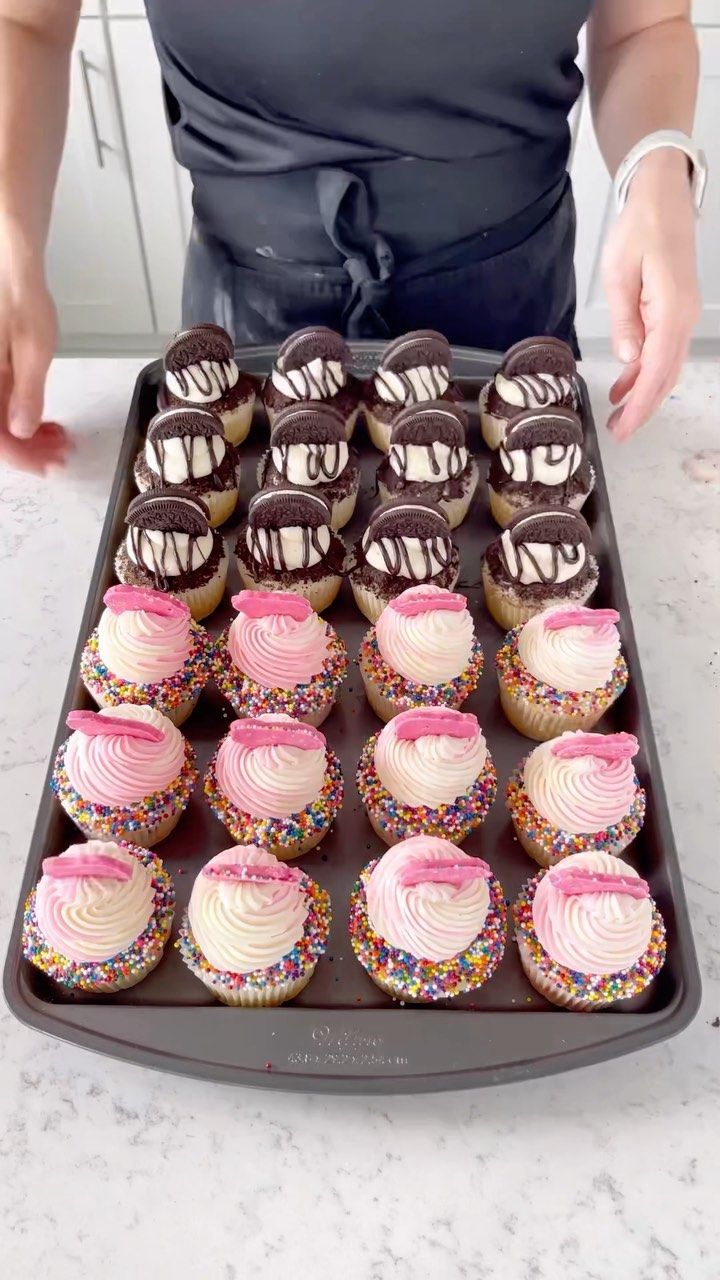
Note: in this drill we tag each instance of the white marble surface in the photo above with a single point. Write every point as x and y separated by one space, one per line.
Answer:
110 1170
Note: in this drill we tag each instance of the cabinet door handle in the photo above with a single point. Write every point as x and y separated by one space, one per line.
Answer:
85 68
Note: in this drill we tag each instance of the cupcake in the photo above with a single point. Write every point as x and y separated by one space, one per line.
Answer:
579 791
187 447
539 463
146 649
536 373
422 651
309 450
412 370
99 917
125 773
254 929
405 543
279 656
588 932
200 371
287 544
561 670
312 365
274 782
170 547
543 558
428 459
427 772
427 921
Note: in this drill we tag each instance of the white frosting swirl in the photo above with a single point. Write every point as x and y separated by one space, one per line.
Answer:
428 648
120 770
583 794
432 770
171 461
272 781
218 374
414 461
93 918
520 393
412 386
318 380
547 464
577 658
242 925
530 562
142 647
292 461
599 933
413 564
288 548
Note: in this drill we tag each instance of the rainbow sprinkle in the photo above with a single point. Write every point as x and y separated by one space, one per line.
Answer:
248 698
408 693
557 843
452 821
414 979
519 683
594 987
270 833
293 966
114 822
166 695
123 969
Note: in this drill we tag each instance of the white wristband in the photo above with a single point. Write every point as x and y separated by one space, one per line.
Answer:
654 142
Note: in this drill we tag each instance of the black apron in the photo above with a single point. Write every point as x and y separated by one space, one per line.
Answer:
376 165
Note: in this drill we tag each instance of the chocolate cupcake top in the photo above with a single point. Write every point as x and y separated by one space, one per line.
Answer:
311 364
308 445
542 447
408 540
168 532
414 368
184 444
545 544
427 443
287 529
200 365
538 372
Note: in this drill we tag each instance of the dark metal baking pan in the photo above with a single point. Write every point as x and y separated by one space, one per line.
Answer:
342 1034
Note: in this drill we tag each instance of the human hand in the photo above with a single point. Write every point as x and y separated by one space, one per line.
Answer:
650 277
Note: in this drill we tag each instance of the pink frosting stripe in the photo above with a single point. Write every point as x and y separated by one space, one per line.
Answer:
95 725
256 873
418 600
253 733
98 866
422 721
604 746
455 873
121 599
581 880
580 617
260 604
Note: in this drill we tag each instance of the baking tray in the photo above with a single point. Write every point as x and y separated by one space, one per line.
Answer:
342 1034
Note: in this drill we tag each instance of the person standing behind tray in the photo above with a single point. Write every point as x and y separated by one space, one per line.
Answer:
378 167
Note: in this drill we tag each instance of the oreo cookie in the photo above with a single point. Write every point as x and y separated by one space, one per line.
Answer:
421 348
400 519
314 343
202 342
536 427
557 526
435 422
172 424
279 508
539 355
307 423
171 510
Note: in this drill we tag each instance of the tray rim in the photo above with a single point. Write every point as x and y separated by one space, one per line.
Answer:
618 1033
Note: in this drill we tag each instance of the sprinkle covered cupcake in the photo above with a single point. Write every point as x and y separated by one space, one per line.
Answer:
543 558
579 791
405 543
561 670
313 365
428 459
125 773
536 373
274 782
540 463
170 547
200 371
146 649
427 921
287 544
427 772
413 369
255 928
99 917
279 656
422 651
309 450
187 447
589 932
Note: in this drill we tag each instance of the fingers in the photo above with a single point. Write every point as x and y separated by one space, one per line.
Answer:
48 448
660 365
624 383
30 362
623 283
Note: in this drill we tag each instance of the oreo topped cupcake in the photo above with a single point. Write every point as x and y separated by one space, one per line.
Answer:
188 447
309 450
543 558
413 369
313 364
170 547
287 544
540 462
405 543
536 373
428 459
200 370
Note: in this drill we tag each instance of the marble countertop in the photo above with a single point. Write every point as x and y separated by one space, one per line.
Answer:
109 1169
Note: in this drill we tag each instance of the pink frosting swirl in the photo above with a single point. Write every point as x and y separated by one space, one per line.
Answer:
93 901
120 769
426 634
428 898
605 928
278 647
275 778
143 636
582 782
